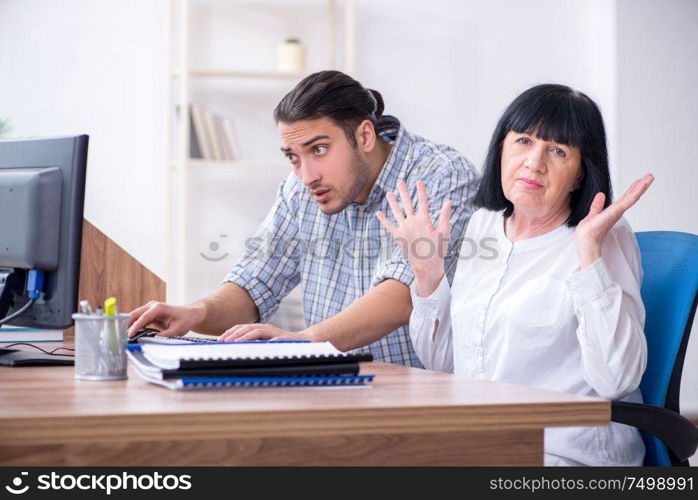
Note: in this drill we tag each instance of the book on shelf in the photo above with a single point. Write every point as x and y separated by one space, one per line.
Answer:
194 141
212 132
218 124
228 137
202 137
213 135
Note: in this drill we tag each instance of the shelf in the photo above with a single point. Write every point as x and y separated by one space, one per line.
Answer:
237 164
250 75
182 81
267 4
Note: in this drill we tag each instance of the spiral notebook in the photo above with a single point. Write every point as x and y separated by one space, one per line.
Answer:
314 375
239 354
247 365
151 371
257 382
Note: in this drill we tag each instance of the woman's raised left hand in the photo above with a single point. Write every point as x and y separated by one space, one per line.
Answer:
593 228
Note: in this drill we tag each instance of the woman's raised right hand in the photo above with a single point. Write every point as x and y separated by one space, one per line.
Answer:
424 245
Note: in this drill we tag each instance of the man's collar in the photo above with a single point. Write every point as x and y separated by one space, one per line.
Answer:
391 131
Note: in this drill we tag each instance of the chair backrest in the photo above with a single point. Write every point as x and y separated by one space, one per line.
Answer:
670 295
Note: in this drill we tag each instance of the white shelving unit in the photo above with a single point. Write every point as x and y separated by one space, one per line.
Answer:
259 75
197 162
181 74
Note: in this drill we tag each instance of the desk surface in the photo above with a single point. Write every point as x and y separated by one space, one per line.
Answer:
46 405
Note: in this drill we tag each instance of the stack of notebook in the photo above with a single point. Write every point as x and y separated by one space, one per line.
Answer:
247 364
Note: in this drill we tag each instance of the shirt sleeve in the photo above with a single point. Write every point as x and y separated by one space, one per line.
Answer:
459 186
269 269
611 316
430 328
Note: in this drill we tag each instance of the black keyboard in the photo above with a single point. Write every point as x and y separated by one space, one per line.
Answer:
174 340
193 339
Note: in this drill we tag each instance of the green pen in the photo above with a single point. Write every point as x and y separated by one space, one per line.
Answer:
110 310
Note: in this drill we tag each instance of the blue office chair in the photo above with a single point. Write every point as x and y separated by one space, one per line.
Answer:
670 294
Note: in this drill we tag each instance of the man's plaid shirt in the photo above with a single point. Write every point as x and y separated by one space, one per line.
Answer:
337 258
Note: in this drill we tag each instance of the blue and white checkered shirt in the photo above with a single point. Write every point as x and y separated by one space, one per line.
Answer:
338 258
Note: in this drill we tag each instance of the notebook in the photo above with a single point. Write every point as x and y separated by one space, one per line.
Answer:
257 382
240 354
318 369
245 377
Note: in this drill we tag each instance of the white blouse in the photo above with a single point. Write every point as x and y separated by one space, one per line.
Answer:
524 313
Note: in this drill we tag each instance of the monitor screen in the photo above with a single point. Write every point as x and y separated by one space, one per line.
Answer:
40 176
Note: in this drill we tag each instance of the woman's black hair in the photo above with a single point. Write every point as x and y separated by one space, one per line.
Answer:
553 113
334 95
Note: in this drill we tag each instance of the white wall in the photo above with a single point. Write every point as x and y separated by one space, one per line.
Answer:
658 114
97 68
447 68
658 109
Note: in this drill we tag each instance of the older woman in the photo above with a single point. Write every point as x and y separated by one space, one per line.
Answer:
552 297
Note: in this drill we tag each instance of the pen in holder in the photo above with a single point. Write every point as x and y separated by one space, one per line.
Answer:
100 346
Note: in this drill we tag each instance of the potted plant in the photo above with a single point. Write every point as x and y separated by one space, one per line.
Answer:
4 127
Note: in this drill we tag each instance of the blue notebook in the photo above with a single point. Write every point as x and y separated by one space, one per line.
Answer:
259 382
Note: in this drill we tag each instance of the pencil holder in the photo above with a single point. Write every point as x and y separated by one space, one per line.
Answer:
100 346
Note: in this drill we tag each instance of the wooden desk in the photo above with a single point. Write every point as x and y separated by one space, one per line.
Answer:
408 417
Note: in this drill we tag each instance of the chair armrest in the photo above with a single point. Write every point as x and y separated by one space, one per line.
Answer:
676 432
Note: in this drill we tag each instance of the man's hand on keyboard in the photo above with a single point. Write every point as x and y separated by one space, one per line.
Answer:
259 331
170 320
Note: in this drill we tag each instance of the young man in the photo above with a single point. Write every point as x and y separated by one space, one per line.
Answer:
323 233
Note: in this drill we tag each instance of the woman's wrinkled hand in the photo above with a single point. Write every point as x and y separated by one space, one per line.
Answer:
593 228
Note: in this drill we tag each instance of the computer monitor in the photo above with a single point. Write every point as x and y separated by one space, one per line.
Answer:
42 190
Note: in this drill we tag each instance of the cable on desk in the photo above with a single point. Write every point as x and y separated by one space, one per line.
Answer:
50 353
